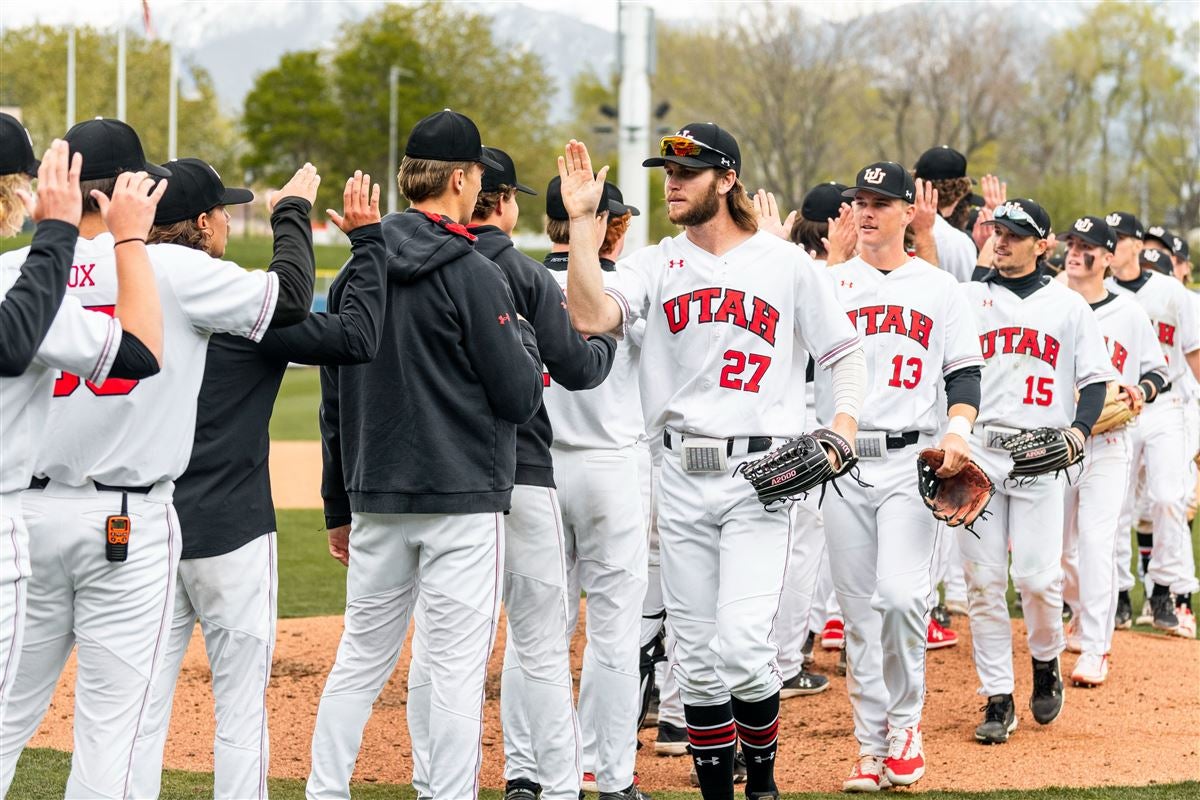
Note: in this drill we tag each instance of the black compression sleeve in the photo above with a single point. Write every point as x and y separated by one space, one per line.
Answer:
134 360
962 386
1087 410
293 261
32 301
1156 385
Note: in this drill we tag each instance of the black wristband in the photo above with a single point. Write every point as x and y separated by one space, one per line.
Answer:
127 241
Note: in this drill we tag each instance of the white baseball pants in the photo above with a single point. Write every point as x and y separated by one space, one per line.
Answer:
537 709
882 554
116 613
1028 517
234 597
458 559
800 586
1093 506
14 589
824 606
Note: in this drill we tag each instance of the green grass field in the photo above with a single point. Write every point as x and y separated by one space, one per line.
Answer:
295 415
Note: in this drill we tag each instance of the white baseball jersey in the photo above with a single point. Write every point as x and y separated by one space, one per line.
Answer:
726 334
955 250
915 330
1131 340
609 415
81 341
1039 350
136 433
1173 313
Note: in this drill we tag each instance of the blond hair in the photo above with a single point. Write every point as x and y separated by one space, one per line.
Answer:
424 179
559 230
12 210
741 207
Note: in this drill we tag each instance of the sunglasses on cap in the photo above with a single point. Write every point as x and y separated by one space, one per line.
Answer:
685 146
1018 214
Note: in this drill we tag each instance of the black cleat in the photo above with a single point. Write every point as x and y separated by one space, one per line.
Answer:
803 683
941 615
1162 604
807 649
1047 700
999 720
1123 620
520 789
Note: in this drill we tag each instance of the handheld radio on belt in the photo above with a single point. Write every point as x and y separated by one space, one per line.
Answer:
117 529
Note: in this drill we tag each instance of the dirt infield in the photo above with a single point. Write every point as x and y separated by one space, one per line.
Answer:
1141 728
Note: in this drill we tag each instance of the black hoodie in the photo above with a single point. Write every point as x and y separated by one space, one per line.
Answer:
429 426
571 360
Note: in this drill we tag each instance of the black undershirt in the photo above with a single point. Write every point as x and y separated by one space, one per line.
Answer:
1136 283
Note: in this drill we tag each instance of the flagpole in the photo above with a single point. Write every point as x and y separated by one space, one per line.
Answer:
173 108
121 72
71 77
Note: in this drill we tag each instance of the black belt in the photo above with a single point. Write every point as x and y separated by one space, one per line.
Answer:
41 483
903 440
754 444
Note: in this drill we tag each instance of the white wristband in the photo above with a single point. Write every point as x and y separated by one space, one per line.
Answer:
959 425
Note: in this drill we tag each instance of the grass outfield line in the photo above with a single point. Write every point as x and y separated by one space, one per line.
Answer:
42 775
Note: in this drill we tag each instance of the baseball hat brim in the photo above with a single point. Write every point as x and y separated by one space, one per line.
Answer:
31 169
525 189
620 209
1016 227
1088 238
236 197
683 161
853 191
488 161
156 170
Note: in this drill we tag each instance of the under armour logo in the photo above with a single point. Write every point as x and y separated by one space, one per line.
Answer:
1083 225
673 263
712 762
849 285
874 176
503 318
1113 219
987 303
764 759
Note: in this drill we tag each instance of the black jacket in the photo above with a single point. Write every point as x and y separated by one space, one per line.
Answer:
31 303
572 361
224 498
429 426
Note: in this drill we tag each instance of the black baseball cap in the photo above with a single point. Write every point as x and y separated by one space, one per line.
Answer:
1125 224
506 175
1160 233
886 178
1093 230
941 163
1157 259
448 136
194 188
1023 217
109 147
1180 248
16 148
823 202
617 206
699 145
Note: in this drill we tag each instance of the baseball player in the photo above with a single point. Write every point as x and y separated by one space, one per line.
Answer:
1041 343
916 334
946 169
1093 502
227 573
731 315
419 458
1156 441
41 333
541 734
104 536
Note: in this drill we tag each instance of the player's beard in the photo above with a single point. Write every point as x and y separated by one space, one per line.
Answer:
699 212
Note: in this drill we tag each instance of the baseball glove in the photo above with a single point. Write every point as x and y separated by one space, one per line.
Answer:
1043 450
798 466
957 500
1117 409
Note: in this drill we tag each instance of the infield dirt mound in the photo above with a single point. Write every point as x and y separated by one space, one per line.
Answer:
1141 728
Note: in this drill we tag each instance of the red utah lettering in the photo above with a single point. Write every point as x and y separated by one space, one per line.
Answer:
917 328
81 275
676 310
722 305
1166 334
1119 354
1022 341
763 323
704 299
732 309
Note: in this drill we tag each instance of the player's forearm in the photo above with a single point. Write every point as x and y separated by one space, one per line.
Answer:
1089 406
292 261
966 412
592 311
138 307
849 386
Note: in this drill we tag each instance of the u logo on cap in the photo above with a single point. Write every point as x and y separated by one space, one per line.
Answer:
1083 225
1113 219
1150 255
874 176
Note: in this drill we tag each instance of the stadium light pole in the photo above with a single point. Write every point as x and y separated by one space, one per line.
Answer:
636 41
121 71
393 120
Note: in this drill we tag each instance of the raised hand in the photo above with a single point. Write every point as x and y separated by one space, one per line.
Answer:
130 212
926 206
994 192
768 215
303 184
581 192
360 203
981 231
58 186
842 238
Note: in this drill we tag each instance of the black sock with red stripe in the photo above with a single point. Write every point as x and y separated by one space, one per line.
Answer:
713 741
757 726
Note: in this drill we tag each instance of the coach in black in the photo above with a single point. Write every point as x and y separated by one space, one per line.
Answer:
227 576
420 449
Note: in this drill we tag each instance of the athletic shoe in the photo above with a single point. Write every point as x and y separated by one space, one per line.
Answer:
1123 620
867 776
999 720
1090 670
937 637
803 683
588 784
1187 622
1046 702
941 615
840 669
762 795
672 740
905 761
1071 631
807 649
739 772
651 720
521 789
957 607
833 637
631 792
1147 615
1163 608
